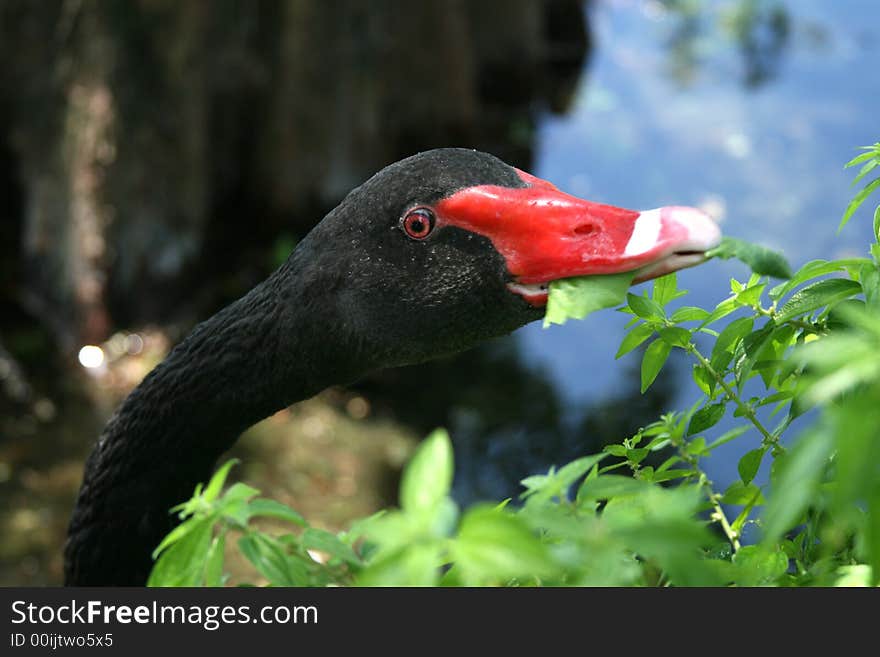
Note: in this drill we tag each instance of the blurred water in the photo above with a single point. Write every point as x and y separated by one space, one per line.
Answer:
673 110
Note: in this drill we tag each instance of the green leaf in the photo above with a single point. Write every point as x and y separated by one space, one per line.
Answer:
757 566
689 314
751 295
798 475
739 493
653 361
212 490
556 483
273 562
494 545
722 350
817 295
814 269
858 199
869 276
664 289
725 438
645 308
413 565
615 450
266 508
637 455
752 347
575 298
239 491
760 259
749 463
634 338
705 418
861 157
723 309
606 487
179 533
183 562
214 562
705 381
318 539
865 170
428 477
675 336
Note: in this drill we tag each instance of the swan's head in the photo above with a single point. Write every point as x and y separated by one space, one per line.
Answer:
449 247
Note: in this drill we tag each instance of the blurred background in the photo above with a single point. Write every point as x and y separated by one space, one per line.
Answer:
158 158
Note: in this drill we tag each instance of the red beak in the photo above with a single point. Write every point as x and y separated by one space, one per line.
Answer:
544 234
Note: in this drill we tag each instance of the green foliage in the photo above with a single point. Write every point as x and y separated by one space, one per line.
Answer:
760 260
869 160
575 298
644 511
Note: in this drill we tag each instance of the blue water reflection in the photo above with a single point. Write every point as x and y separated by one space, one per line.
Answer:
765 157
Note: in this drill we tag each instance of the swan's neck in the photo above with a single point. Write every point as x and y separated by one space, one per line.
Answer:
258 355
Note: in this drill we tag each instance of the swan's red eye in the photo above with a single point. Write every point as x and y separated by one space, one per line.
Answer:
418 223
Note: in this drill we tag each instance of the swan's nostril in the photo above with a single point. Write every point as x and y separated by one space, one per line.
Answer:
585 229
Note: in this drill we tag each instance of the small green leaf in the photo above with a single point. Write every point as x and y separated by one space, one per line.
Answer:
705 418
725 344
723 309
696 447
749 463
634 338
675 336
817 295
739 493
637 455
575 298
664 289
318 539
645 308
814 269
858 199
212 490
727 436
705 381
238 492
428 477
861 157
615 450
760 259
267 508
751 295
273 562
653 361
606 487
689 314
865 170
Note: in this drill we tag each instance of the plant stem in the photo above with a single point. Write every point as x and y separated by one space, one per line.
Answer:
719 515
746 410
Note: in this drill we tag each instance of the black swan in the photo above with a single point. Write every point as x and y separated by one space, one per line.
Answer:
430 256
